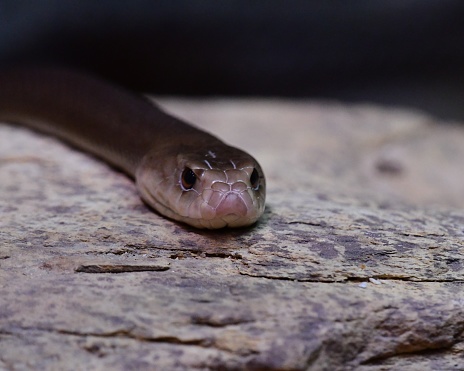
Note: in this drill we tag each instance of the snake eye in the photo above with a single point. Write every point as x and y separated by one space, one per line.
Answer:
254 179
188 179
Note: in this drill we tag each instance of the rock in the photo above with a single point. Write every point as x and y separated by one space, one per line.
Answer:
356 264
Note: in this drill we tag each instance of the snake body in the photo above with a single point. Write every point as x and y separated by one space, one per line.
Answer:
180 171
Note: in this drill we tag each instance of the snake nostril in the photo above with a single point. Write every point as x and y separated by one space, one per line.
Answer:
254 179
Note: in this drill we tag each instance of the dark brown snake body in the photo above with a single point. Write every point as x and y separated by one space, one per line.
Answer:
182 172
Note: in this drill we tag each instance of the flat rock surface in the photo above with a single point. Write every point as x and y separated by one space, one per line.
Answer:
357 262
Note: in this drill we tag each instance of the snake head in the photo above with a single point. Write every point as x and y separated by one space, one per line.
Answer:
215 187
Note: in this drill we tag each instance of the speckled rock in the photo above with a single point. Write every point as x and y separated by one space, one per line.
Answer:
356 264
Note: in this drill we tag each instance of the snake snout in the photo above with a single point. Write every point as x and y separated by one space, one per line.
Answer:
233 204
218 198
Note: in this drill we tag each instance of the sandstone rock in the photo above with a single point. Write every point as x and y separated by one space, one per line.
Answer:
356 264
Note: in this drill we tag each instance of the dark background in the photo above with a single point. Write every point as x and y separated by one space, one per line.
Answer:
401 52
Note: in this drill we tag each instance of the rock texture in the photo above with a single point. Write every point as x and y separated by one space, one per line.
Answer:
356 264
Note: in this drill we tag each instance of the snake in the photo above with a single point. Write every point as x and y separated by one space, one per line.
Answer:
182 172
